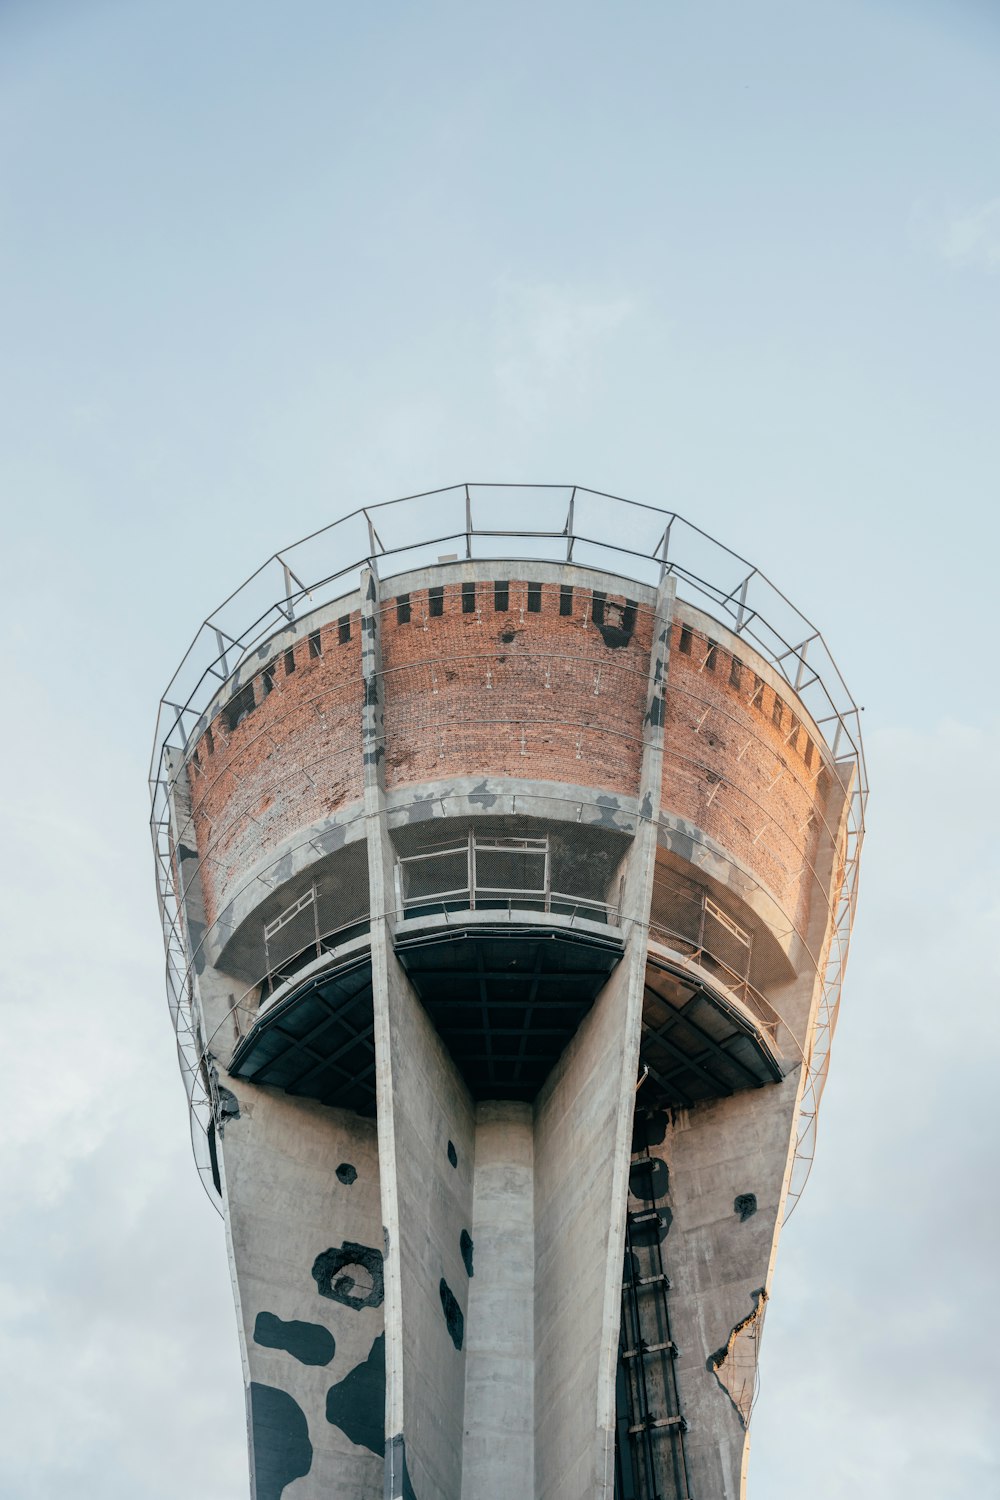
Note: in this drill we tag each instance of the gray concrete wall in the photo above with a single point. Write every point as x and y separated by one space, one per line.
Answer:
499 1446
311 1315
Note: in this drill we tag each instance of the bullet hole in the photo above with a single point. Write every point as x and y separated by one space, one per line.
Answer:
506 636
347 1174
351 1275
745 1205
454 1321
465 1245
452 1154
616 622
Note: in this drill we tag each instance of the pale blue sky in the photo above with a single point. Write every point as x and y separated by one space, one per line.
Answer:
259 265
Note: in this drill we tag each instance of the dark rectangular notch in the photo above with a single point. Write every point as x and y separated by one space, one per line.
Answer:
435 600
468 598
501 594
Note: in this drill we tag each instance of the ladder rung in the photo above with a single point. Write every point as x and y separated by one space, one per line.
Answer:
661 1276
659 1422
645 1349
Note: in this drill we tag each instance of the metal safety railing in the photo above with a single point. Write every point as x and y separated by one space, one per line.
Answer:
484 874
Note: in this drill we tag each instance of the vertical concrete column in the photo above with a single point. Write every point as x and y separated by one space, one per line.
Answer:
583 1126
426 1133
499 1385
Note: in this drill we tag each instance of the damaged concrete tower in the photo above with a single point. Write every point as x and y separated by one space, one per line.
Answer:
507 844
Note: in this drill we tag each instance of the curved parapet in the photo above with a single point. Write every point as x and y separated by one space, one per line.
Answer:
521 826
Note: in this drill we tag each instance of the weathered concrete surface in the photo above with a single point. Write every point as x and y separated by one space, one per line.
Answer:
499 1446
285 1207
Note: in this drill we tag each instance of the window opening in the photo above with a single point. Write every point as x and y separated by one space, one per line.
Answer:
777 712
403 609
315 644
597 607
711 655
435 600
344 629
685 641
267 679
501 594
468 598
534 598
735 672
289 661
565 598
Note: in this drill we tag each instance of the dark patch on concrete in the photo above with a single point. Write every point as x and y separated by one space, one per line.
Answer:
371 691
656 714
649 1130
351 1275
196 932
420 810
646 807
465 1245
482 796
648 1231
183 852
745 1205
309 1343
346 1173
452 1154
397 1475
282 1451
608 808
453 1316
330 839
229 1107
356 1404
649 1182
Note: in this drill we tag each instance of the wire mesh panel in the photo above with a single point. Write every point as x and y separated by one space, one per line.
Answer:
442 875
511 868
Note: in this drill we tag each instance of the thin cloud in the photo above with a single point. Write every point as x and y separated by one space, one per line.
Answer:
551 340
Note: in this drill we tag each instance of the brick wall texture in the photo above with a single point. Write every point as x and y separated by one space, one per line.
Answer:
528 684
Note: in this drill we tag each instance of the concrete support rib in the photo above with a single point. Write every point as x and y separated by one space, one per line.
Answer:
583 1125
426 1126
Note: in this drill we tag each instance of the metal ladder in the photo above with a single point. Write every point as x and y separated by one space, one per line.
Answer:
650 1457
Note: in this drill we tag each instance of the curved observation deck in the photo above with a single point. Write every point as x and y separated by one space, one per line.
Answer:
506 965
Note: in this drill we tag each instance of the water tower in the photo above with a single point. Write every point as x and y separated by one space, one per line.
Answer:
507 844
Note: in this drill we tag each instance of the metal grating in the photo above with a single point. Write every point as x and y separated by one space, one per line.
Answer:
318 1043
506 1002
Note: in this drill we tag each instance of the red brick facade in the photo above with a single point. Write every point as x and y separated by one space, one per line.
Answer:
530 681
